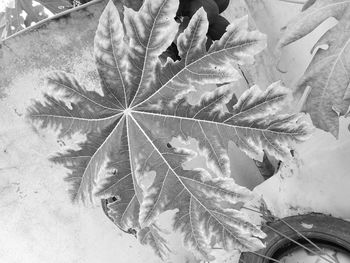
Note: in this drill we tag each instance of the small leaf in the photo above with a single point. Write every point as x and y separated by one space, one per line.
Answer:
265 167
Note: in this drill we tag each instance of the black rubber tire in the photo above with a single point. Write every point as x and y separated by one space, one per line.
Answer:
326 231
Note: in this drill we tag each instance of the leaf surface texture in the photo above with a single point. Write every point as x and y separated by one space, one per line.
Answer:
144 106
328 74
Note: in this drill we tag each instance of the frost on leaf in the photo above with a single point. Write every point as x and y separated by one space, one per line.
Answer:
329 71
144 106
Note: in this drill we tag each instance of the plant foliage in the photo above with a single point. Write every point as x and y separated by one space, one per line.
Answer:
13 21
23 14
329 71
144 106
56 6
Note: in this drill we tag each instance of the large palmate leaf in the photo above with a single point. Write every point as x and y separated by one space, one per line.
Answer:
329 72
126 156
